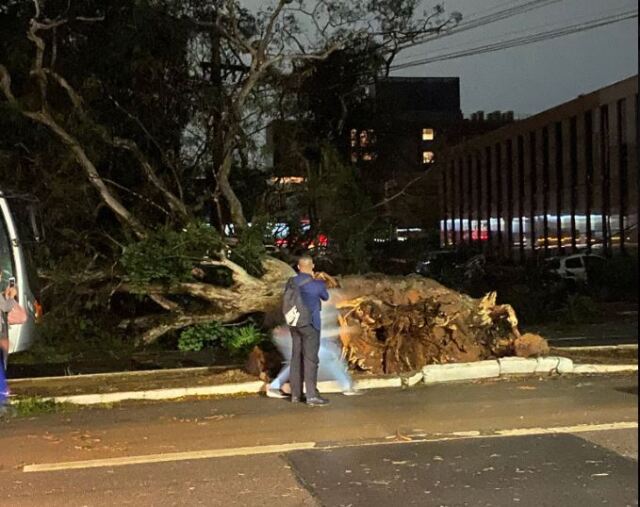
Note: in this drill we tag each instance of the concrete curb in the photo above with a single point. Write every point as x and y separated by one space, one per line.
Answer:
438 373
161 394
134 373
430 374
604 368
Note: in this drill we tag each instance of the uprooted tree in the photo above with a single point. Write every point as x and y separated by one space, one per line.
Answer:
134 121
394 325
391 325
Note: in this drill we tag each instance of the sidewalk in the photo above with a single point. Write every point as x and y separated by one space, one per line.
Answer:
211 381
103 383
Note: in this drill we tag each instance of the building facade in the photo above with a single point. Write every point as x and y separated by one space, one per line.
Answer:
562 180
397 141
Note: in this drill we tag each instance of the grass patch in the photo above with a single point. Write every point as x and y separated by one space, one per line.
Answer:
34 405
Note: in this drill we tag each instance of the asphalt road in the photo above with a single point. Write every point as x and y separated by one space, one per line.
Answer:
547 441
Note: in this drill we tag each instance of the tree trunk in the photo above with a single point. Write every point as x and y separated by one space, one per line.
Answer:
235 206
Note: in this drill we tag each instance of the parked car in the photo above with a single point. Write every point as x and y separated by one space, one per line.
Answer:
576 267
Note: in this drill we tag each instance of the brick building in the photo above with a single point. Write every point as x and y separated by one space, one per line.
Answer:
559 181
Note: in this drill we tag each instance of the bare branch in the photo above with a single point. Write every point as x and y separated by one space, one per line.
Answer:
137 195
174 203
169 163
44 118
165 303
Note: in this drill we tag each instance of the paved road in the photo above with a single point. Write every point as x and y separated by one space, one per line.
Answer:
548 441
621 331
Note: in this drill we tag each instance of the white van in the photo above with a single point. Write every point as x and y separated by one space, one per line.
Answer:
13 265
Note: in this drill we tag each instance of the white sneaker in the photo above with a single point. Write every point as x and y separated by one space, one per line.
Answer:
352 391
275 393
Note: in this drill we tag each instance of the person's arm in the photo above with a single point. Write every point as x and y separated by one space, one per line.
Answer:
324 293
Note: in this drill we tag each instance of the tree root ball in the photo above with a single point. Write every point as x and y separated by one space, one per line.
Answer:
400 324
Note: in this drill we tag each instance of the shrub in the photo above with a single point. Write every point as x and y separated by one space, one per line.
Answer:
196 338
237 340
240 340
168 256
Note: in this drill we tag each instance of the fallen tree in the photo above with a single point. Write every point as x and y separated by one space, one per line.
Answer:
400 324
393 325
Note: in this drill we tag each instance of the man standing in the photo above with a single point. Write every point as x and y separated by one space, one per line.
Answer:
305 340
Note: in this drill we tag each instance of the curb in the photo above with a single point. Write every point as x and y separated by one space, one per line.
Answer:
429 375
587 348
604 368
133 373
161 394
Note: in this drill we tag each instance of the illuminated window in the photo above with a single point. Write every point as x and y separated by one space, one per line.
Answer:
427 157
428 134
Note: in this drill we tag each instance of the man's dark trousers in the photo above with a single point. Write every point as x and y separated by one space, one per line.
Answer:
305 343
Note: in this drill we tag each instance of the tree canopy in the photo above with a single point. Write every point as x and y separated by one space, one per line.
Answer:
140 126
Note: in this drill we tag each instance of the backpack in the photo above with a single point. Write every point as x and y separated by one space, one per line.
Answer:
295 312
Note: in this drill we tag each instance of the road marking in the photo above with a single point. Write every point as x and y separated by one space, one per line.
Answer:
469 435
579 428
304 446
165 457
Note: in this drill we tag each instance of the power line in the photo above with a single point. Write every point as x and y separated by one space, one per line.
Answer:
476 22
522 40
493 17
519 32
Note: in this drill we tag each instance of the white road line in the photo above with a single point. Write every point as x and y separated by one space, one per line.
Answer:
580 428
301 446
175 456
469 435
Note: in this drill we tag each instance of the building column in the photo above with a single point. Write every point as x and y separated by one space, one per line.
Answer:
498 150
444 207
573 181
489 202
460 178
632 164
597 227
546 179
533 208
480 197
469 195
615 232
